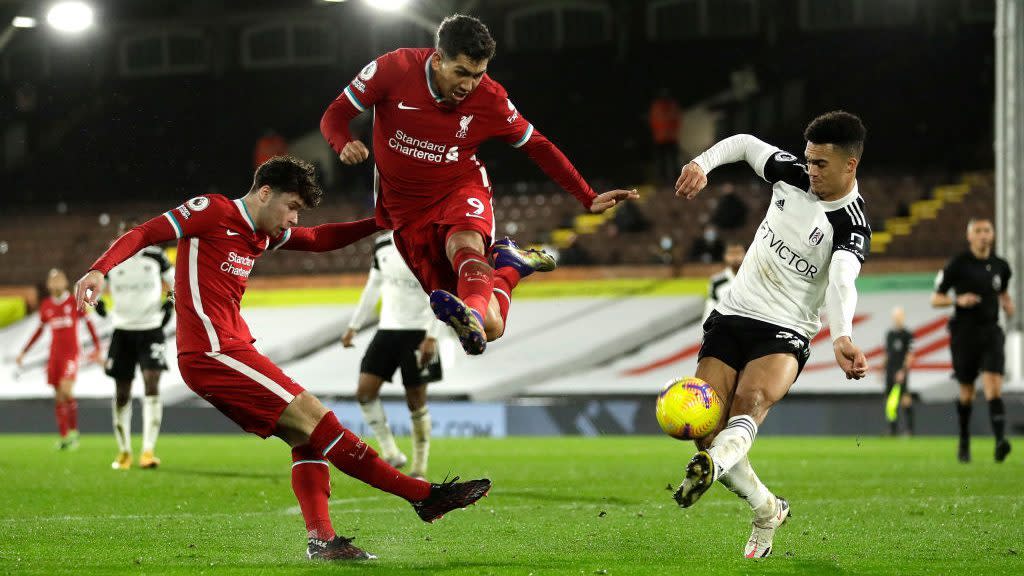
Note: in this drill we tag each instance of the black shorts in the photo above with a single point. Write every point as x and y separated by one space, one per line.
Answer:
736 340
130 347
890 381
976 349
393 349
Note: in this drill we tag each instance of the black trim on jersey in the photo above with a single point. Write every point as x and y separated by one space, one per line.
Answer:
851 230
716 283
379 244
784 167
158 255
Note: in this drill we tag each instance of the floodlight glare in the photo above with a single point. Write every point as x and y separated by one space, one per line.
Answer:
23 22
388 5
70 17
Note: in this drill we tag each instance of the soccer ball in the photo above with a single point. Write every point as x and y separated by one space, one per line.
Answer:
688 408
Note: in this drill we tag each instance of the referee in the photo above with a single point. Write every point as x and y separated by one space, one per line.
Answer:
979 280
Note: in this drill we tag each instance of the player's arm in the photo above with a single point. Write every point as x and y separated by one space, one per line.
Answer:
944 282
370 86
367 302
768 162
31 342
851 242
1006 301
428 347
325 237
192 218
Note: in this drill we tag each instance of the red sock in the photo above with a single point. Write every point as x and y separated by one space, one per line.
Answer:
505 280
354 457
311 482
72 414
476 279
60 409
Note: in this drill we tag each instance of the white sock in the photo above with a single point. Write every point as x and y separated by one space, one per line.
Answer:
373 413
152 413
743 482
122 425
733 443
421 425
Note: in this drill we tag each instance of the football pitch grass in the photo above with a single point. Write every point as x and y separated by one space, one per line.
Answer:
223 505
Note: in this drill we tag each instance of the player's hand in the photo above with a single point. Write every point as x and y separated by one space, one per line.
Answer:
428 348
901 376
691 181
346 338
88 289
20 359
850 359
353 153
96 357
605 201
968 300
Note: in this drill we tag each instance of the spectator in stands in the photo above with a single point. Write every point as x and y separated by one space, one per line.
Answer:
269 145
665 120
574 254
629 218
708 247
730 210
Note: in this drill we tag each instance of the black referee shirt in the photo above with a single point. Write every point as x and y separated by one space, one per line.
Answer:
988 278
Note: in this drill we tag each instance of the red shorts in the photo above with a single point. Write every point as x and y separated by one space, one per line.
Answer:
421 242
61 367
243 384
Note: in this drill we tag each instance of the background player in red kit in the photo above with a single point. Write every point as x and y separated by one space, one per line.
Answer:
219 241
433 107
59 312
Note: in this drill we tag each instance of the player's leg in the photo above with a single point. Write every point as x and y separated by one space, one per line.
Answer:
152 416
907 406
378 365
471 315
992 365
368 396
152 361
966 366
770 511
66 396
53 378
993 386
120 365
122 415
419 413
512 264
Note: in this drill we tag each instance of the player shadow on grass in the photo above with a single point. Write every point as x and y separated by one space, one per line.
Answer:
225 473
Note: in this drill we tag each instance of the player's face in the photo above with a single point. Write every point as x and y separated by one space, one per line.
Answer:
980 234
281 212
56 282
457 78
830 169
734 256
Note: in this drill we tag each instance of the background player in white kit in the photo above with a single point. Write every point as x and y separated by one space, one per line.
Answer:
406 338
720 283
807 251
139 313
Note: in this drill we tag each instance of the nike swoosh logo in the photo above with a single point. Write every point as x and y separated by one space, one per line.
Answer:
232 233
402 106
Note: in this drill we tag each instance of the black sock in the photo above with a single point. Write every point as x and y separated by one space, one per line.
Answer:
997 414
964 413
908 417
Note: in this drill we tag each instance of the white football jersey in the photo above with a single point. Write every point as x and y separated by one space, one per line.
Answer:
136 289
783 277
718 287
404 304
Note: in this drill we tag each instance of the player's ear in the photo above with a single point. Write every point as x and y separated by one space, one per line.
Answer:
264 194
851 163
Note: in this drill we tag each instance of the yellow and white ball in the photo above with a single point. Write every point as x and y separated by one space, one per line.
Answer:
688 409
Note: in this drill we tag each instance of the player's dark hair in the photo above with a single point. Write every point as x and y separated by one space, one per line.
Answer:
289 174
735 243
839 128
461 34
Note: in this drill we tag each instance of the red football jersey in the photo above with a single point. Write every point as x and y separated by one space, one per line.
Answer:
61 315
423 147
218 245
